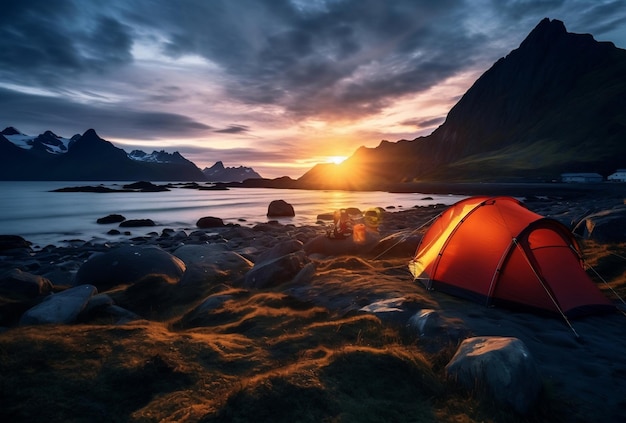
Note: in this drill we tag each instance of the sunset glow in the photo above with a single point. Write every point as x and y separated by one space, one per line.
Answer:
276 86
336 159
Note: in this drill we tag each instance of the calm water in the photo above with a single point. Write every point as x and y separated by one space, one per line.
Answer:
30 210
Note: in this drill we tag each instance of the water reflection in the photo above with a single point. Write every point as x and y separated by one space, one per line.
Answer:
29 209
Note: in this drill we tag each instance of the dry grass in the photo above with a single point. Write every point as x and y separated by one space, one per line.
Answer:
262 356
259 356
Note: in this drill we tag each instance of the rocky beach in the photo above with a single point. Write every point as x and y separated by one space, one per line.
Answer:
279 323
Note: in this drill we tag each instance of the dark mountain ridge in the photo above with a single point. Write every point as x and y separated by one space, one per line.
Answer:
87 158
555 104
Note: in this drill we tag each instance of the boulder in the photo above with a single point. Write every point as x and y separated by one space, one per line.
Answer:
281 249
16 283
136 223
209 222
425 322
305 275
13 242
191 254
276 272
499 367
280 208
99 301
111 218
128 265
63 307
210 263
605 226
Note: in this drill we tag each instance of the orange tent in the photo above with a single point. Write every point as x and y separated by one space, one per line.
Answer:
495 251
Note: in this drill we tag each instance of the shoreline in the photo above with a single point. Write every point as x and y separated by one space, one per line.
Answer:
299 326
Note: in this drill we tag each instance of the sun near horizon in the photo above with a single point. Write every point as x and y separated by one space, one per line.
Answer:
336 159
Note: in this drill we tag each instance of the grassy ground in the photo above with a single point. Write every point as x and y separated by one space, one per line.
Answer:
262 356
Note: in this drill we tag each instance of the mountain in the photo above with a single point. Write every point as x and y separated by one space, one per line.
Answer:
83 157
219 173
557 103
157 157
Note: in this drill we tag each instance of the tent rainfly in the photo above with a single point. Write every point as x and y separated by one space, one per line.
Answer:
495 251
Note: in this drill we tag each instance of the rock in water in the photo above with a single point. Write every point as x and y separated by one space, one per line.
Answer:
136 223
11 242
209 222
112 218
280 208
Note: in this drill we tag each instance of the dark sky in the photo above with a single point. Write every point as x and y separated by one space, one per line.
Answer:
274 84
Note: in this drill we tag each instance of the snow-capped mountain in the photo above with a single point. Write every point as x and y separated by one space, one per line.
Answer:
157 157
48 141
85 157
219 173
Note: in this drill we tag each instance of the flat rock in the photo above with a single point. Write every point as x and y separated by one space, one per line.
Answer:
137 223
63 307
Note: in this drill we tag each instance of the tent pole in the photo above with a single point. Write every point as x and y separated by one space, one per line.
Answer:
546 289
496 273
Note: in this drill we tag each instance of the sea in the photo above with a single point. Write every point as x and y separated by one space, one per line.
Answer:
33 211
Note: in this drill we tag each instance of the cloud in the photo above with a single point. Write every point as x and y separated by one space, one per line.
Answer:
233 129
49 42
423 123
35 113
155 70
605 17
344 59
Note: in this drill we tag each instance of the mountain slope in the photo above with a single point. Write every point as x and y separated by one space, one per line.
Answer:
557 103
